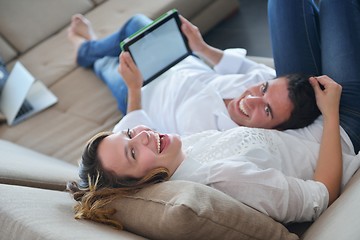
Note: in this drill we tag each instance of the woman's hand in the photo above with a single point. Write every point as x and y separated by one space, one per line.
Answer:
328 98
129 71
133 79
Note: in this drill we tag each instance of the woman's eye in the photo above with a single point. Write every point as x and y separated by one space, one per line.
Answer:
264 87
133 153
129 133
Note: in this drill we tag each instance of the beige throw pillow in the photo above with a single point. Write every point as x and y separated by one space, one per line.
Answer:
187 210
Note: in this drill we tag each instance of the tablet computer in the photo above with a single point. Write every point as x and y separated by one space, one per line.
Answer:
158 46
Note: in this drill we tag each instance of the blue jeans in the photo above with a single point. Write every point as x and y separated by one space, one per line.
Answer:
321 40
103 56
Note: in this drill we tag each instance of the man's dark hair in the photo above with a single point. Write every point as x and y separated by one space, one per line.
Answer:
302 96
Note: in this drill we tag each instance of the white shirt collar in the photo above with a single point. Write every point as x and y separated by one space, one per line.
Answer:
183 172
224 121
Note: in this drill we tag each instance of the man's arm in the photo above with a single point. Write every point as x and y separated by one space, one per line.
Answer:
231 62
329 165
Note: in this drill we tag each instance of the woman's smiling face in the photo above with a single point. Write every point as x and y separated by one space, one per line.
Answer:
135 152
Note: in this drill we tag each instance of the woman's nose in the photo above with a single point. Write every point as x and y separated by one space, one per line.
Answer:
142 137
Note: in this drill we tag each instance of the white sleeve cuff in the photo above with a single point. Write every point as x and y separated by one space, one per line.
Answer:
231 61
308 199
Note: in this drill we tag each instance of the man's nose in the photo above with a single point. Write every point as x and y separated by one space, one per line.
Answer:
254 101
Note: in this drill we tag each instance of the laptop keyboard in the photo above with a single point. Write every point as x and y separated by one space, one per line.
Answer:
25 108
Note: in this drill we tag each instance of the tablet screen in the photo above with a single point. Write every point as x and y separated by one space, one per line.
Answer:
159 48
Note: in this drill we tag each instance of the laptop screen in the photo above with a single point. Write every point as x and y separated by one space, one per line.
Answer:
15 90
3 74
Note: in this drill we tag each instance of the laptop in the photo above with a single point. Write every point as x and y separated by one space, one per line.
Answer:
22 96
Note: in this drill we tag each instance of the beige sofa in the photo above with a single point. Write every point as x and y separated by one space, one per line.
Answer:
38 156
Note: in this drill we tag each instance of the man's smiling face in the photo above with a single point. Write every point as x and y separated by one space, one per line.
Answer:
263 106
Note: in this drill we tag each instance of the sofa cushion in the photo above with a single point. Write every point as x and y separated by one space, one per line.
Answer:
27 29
6 51
263 60
117 13
86 107
32 213
26 167
56 133
188 210
97 2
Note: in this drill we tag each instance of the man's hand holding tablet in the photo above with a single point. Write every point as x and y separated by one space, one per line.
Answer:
197 44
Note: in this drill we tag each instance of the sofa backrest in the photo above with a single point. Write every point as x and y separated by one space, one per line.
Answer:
37 21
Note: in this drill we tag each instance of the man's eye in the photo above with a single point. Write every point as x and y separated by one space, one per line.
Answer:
129 133
267 111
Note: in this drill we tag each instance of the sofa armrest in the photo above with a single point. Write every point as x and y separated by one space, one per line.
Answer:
22 166
264 60
341 219
33 213
2 118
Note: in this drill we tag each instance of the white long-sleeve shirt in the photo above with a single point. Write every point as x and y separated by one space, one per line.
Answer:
189 97
272 173
268 170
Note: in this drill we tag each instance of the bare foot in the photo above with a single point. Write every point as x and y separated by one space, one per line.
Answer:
80 30
82 26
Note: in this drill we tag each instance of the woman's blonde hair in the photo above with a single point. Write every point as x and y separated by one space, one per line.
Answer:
97 187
